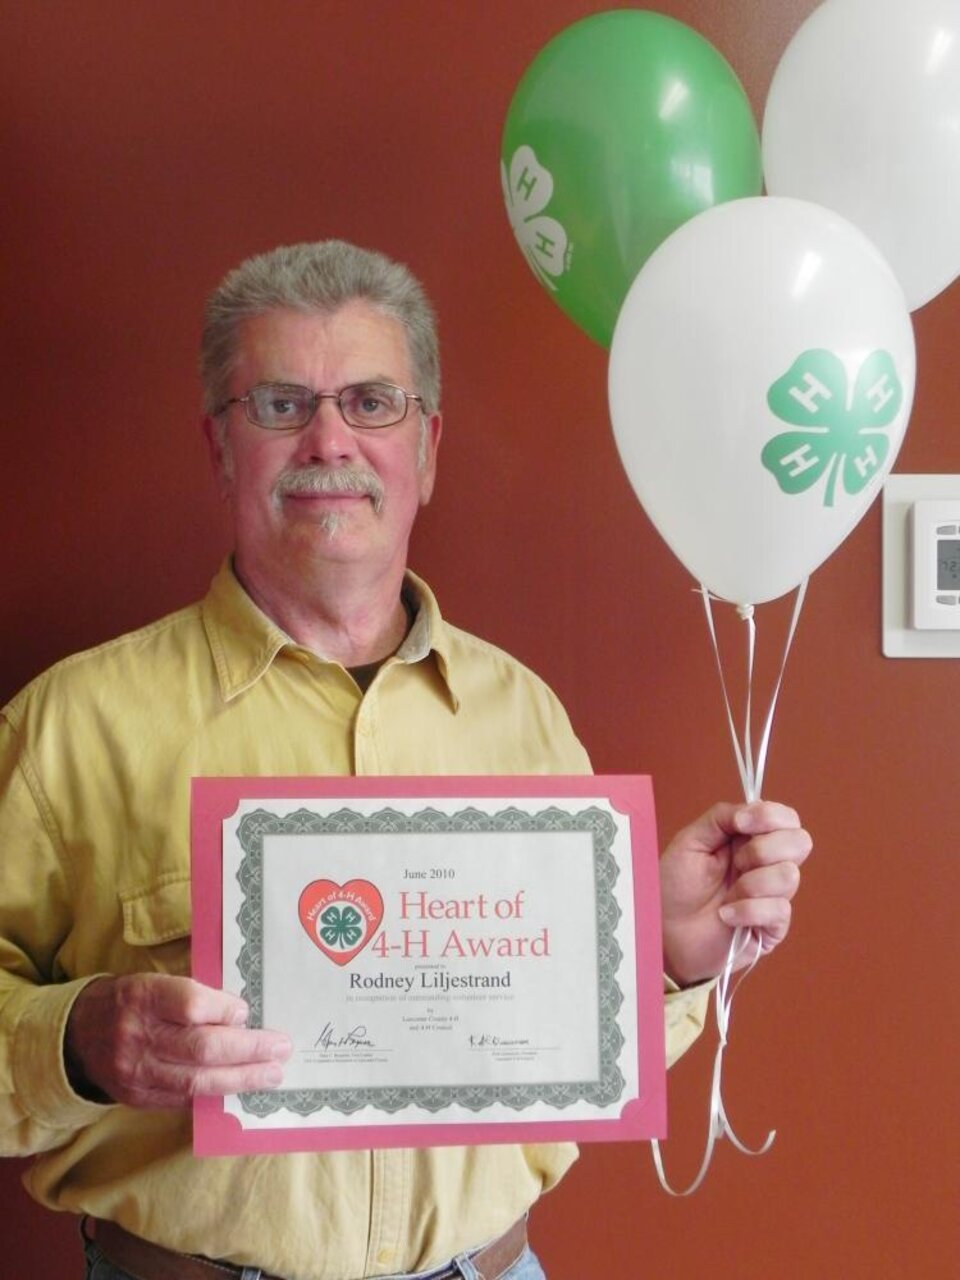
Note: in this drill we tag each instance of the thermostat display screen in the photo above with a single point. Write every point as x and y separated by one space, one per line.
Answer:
948 564
934 545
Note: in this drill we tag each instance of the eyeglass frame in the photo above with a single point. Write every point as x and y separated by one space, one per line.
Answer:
319 396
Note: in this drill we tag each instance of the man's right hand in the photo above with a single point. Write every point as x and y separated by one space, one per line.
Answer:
152 1040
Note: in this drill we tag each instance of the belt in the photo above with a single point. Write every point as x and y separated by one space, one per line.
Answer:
148 1261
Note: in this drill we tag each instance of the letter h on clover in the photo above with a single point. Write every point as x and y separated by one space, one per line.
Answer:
842 438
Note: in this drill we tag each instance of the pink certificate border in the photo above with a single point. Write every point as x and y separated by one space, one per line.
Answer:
215 799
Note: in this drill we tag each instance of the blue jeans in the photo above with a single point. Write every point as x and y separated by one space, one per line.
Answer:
526 1267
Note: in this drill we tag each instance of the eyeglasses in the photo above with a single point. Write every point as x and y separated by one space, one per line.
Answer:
280 406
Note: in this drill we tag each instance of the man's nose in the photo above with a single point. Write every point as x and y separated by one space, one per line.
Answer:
326 437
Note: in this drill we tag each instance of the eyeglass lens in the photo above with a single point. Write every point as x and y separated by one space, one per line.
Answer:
279 407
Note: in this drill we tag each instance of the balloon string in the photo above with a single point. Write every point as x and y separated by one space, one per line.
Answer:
751 776
752 770
719 1124
768 725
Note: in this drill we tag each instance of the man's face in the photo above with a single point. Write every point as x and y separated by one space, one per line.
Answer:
279 529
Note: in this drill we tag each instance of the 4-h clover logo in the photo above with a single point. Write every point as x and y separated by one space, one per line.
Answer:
527 189
341 927
842 437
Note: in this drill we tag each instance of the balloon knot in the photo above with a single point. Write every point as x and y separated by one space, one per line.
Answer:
745 611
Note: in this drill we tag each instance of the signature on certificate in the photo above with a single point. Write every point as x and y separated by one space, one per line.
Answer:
356 1038
485 1041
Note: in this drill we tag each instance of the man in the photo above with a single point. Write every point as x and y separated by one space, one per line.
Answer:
315 652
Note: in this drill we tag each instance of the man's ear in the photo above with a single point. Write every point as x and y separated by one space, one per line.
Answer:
218 447
431 443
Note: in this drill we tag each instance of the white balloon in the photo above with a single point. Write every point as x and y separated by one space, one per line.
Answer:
863 116
761 379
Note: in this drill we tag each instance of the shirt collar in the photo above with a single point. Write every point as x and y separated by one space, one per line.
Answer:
428 634
244 641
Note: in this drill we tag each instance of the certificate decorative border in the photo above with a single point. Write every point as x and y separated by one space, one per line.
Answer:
604 1091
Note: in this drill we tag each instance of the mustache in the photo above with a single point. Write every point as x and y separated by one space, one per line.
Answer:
319 479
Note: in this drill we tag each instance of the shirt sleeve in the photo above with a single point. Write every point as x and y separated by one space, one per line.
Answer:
685 1014
38 1108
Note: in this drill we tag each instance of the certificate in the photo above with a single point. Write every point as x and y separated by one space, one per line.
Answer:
457 960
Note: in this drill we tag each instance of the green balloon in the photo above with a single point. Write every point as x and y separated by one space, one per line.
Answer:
624 126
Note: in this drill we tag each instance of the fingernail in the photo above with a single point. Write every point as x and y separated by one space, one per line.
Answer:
282 1049
239 1018
273 1076
728 915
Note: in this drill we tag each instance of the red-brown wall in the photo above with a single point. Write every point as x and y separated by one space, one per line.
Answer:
149 146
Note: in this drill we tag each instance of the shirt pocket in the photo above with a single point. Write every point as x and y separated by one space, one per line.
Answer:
156 923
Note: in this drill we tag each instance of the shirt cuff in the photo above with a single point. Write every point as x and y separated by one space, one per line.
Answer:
685 1015
39 1070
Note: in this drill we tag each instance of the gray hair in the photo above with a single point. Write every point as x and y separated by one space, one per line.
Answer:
318 277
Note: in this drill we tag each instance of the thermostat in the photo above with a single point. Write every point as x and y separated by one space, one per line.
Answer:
935 555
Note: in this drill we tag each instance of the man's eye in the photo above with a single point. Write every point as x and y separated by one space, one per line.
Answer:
373 402
281 407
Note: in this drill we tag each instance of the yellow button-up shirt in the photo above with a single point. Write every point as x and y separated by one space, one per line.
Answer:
96 757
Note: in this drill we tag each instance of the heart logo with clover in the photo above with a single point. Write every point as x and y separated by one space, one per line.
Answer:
340 919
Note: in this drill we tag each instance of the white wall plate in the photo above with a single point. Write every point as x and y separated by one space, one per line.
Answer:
900 639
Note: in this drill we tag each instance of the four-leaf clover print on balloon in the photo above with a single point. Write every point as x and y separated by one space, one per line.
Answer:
528 189
842 437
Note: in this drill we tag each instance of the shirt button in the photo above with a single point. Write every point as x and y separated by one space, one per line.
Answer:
385 1257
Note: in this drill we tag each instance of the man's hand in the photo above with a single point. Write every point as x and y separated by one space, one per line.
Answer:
737 865
151 1040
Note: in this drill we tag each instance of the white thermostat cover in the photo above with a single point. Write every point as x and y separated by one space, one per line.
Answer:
902 638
